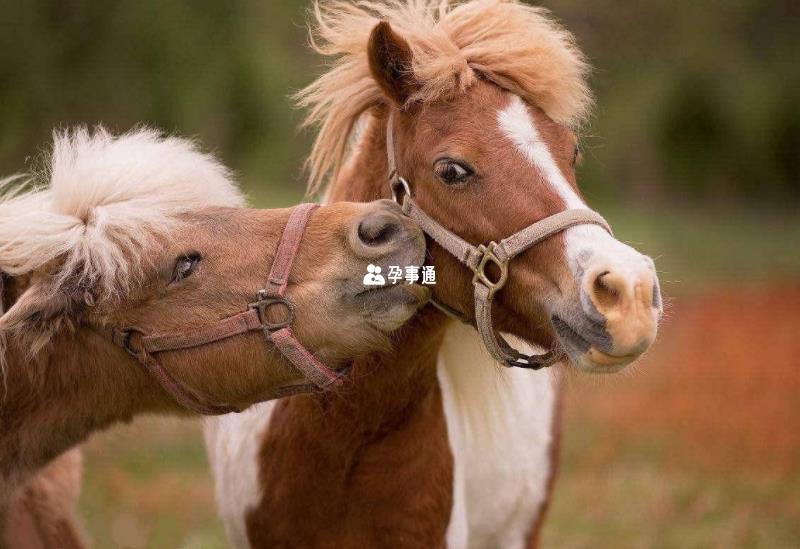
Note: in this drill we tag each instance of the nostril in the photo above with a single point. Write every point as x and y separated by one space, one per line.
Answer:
657 301
378 229
604 292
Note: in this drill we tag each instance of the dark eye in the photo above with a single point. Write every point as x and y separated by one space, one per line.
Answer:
451 172
576 156
185 265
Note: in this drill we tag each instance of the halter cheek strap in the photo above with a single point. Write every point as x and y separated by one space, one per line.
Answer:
271 303
478 258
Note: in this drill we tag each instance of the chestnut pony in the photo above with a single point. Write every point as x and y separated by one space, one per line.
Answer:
444 447
145 231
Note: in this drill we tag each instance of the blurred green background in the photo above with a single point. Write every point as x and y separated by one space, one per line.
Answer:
693 154
697 101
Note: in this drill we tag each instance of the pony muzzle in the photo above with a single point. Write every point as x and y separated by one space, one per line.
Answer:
621 307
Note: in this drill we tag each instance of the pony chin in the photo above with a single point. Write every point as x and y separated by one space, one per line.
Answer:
392 307
598 362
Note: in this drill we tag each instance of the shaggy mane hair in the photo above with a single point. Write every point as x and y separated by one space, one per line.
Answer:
519 47
98 201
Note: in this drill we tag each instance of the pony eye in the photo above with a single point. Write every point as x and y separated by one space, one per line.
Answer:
451 172
576 156
185 265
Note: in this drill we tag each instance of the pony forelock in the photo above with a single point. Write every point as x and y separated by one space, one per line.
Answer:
99 200
517 46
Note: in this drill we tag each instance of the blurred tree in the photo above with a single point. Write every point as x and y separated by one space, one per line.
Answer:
696 100
218 71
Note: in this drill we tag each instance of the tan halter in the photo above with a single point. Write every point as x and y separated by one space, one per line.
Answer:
476 258
143 347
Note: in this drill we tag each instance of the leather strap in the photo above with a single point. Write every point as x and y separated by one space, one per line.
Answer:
477 258
286 342
283 338
185 396
229 327
287 250
260 316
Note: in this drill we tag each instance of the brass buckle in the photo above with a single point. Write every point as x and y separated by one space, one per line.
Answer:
488 256
263 305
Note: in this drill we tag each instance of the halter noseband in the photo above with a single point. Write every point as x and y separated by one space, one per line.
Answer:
143 347
477 258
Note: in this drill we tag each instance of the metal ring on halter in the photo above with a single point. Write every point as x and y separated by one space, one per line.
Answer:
488 256
528 364
125 337
396 183
267 302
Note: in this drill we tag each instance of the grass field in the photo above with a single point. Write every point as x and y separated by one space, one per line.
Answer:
698 446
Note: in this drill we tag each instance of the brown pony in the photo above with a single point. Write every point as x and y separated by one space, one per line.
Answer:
145 231
444 448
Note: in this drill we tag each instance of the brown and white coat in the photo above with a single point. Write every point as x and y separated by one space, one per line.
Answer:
436 445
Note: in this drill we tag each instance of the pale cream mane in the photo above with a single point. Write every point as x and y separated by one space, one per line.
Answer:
98 201
515 45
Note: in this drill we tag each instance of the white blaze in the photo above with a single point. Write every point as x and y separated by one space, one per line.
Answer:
517 124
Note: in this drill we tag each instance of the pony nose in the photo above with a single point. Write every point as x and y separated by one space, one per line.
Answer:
378 229
625 299
384 230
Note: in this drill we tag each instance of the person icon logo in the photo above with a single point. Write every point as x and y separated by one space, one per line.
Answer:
374 276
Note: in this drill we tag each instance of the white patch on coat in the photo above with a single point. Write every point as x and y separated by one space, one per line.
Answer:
518 125
499 422
233 442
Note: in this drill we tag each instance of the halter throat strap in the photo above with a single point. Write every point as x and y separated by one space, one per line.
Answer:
478 258
260 316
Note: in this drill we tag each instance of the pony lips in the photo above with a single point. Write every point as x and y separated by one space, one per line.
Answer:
259 316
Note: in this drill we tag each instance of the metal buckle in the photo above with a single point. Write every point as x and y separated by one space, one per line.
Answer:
398 182
263 305
487 256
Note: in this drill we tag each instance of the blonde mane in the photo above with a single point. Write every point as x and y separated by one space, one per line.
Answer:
100 198
517 46
98 201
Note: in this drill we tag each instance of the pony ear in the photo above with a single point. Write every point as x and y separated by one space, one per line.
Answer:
38 304
390 61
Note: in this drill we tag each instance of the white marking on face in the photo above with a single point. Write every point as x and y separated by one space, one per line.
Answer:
584 243
517 124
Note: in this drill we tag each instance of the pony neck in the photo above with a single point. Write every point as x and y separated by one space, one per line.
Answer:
412 362
384 435
77 384
365 174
